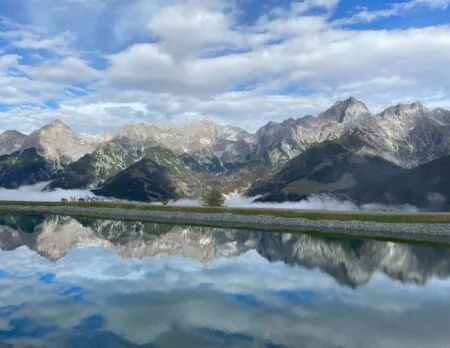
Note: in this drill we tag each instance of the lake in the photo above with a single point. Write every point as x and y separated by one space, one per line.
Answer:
67 282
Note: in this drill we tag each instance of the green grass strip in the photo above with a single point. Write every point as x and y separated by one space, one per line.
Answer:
288 213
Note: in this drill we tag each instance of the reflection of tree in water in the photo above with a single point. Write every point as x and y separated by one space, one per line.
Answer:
351 262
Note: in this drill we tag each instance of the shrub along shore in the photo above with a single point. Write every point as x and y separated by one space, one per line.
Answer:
420 227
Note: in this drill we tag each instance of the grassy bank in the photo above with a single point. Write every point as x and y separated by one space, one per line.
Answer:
287 213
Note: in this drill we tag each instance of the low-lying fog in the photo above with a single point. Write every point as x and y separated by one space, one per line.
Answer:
314 202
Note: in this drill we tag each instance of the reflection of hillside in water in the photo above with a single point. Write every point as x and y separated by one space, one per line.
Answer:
350 262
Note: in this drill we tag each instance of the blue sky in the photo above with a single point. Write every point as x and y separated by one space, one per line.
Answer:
98 64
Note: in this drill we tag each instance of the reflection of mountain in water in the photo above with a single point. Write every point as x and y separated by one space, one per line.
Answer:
350 262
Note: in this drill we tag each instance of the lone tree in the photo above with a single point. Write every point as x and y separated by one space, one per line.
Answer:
213 198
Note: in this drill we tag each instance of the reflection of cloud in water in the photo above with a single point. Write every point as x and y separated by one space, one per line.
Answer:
244 300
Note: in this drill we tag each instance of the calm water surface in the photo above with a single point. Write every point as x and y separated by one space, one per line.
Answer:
68 282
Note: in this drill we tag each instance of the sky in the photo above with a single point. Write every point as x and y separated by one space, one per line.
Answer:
99 64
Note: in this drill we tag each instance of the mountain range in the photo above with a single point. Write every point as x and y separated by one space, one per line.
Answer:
345 151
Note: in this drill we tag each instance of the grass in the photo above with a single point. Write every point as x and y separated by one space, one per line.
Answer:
288 213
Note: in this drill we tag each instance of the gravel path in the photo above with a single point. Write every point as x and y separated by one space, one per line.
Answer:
420 232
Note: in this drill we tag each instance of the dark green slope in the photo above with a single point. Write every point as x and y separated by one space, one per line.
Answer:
92 170
427 186
25 167
95 168
144 181
77 175
328 167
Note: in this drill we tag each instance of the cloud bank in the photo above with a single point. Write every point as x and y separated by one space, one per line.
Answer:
314 202
35 193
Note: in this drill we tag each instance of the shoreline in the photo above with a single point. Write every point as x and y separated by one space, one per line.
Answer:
417 232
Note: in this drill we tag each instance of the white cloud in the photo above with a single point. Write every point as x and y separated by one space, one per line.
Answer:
9 61
35 193
204 24
67 70
307 5
322 202
172 60
35 67
32 38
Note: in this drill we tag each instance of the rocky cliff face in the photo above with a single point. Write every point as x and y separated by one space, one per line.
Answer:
11 141
58 143
414 134
216 148
286 140
350 262
400 134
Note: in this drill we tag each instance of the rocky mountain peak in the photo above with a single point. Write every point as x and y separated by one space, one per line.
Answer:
207 120
57 142
55 127
401 109
141 134
343 110
417 105
208 141
11 141
12 133
441 116
58 123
